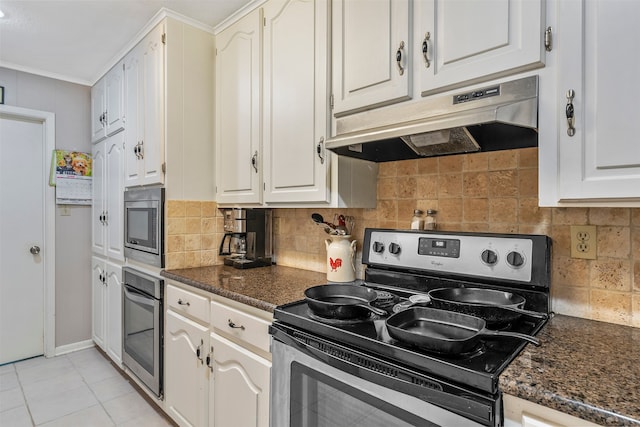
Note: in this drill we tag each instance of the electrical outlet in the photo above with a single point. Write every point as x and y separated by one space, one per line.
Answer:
583 241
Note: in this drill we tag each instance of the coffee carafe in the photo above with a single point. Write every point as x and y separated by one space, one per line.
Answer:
247 241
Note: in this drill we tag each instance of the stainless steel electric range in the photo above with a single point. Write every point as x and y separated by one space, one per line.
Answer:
352 372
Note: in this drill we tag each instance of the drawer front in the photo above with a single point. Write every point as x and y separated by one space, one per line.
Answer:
188 303
250 329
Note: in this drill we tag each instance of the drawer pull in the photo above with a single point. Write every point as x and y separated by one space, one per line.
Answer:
183 302
234 326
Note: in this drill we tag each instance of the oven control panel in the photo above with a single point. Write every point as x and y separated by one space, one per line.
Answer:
483 255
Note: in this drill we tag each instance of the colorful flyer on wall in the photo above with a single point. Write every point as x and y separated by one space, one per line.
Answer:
73 177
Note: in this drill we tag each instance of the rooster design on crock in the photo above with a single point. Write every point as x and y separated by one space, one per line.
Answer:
340 259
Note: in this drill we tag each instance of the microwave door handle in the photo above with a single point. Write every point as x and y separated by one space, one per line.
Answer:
138 297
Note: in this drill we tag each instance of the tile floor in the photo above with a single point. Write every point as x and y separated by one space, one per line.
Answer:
76 389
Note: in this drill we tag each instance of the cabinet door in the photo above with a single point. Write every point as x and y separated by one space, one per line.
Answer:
371 57
601 160
114 92
114 190
133 94
296 100
113 313
98 302
186 381
240 380
238 157
98 108
98 205
152 143
468 41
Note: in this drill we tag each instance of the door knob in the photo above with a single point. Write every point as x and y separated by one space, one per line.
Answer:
34 250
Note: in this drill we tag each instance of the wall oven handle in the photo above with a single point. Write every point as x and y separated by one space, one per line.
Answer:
138 297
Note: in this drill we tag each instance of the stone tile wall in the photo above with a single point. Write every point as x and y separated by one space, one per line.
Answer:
494 192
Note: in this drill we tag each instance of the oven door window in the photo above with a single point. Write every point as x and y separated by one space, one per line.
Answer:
318 400
142 227
140 328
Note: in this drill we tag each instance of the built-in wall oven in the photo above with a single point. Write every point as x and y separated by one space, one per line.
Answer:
142 320
143 225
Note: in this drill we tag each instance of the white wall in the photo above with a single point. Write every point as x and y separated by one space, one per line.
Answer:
71 104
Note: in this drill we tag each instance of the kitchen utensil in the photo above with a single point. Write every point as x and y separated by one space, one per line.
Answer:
342 301
318 219
494 306
341 227
443 331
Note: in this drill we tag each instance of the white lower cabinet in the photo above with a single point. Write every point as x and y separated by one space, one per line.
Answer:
522 413
239 386
106 303
186 378
216 373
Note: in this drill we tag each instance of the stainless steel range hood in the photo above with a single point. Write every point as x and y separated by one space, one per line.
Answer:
493 117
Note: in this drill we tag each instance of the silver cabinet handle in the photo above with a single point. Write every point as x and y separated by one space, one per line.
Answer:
35 250
570 112
254 161
199 352
180 302
234 326
320 151
399 58
209 359
425 49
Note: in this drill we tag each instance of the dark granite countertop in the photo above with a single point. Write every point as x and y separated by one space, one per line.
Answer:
263 287
584 368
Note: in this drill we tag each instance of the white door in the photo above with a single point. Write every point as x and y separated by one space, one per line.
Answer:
22 233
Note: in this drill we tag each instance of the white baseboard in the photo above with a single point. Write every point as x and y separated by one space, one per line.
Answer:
68 348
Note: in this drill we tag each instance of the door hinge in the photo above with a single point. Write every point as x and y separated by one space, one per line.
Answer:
331 101
164 38
264 186
164 168
264 21
548 39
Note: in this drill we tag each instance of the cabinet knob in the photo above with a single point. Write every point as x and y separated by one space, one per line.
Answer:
570 113
399 58
425 49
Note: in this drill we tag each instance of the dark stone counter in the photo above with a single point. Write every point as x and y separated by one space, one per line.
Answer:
584 368
263 287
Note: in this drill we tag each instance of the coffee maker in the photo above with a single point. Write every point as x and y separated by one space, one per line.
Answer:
248 237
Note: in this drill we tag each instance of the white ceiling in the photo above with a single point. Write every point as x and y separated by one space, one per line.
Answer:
77 40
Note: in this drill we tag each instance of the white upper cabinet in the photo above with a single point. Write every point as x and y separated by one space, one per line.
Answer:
462 42
144 103
598 63
388 51
295 108
238 151
107 105
371 53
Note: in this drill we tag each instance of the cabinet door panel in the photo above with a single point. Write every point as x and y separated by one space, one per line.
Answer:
295 108
239 376
185 375
471 41
114 312
114 100
238 112
602 159
98 206
98 105
135 119
98 327
365 72
115 196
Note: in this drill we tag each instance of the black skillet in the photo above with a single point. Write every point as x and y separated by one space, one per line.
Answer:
493 306
443 331
342 301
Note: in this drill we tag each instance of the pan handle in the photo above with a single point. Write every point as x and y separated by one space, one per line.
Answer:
525 312
376 310
489 332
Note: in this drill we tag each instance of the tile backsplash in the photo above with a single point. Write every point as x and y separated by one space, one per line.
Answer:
495 192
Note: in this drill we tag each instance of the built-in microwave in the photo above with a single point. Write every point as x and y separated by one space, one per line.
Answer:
144 225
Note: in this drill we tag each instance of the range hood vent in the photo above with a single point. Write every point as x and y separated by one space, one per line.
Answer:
498 117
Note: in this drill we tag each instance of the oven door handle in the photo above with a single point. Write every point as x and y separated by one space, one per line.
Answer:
137 296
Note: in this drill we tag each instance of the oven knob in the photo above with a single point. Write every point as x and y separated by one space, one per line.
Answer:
515 259
378 247
394 248
489 257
